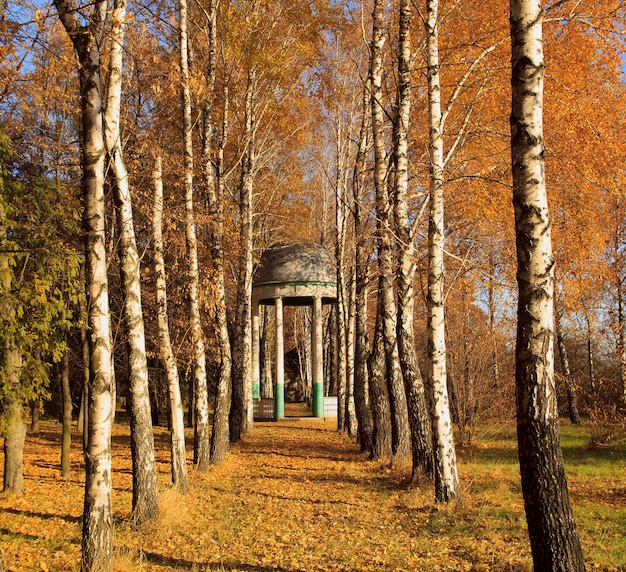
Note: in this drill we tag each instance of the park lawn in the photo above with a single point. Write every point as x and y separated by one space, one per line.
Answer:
297 496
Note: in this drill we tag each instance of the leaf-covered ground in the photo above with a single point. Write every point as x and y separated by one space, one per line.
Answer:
296 496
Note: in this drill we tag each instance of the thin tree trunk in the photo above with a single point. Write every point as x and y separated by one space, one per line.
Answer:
621 333
202 430
361 263
180 479
446 475
214 183
145 504
66 432
570 384
97 538
553 537
83 423
419 420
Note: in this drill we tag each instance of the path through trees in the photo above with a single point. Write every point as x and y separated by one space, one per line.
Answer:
297 496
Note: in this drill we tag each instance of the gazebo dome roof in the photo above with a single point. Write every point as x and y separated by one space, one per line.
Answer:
296 262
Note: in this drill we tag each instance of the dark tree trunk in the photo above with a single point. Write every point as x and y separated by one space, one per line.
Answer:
570 384
382 447
66 435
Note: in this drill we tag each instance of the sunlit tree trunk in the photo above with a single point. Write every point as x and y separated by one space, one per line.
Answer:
97 538
446 475
419 420
180 479
145 491
202 429
386 308
553 536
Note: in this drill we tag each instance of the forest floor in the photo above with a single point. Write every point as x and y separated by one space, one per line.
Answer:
297 496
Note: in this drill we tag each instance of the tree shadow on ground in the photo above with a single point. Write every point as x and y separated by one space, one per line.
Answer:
203 565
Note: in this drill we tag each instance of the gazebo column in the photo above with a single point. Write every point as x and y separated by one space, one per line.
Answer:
318 359
279 389
256 351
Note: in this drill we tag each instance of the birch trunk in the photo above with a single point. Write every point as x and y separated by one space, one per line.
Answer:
214 184
419 420
180 479
553 536
386 308
341 314
202 430
97 537
145 504
361 264
446 475
621 333
241 407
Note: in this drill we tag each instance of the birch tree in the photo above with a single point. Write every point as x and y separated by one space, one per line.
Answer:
202 432
145 491
446 475
361 279
386 308
214 188
419 421
97 537
180 479
551 528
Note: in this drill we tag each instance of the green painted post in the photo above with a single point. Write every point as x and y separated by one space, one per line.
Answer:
318 400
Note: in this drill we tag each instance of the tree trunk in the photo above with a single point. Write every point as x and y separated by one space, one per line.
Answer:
202 430
97 538
145 491
180 479
66 433
241 407
553 536
570 384
386 307
382 447
361 263
35 415
621 333
419 420
446 475
83 423
14 437
214 184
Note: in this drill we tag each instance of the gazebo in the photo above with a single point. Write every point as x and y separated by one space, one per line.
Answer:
297 274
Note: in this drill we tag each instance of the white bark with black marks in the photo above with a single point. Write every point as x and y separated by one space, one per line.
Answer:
553 537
